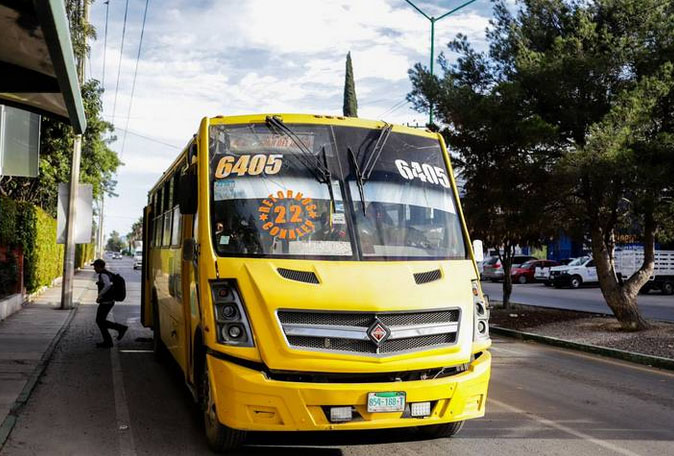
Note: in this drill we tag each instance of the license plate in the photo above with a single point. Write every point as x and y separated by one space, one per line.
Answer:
385 402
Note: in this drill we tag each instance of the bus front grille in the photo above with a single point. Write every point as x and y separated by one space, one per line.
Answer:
380 333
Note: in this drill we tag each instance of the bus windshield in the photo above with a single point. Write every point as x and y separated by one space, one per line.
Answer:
276 194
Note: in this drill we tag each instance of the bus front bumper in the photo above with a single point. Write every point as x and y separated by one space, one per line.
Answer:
247 400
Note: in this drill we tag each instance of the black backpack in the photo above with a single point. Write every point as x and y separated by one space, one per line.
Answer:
118 286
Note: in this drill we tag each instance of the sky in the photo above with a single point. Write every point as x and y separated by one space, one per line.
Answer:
226 57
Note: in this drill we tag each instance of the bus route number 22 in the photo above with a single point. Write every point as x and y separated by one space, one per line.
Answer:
251 165
424 172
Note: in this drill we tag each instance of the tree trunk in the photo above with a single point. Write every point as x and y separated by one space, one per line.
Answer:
506 263
621 298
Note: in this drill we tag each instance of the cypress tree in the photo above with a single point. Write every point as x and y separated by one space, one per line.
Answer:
350 108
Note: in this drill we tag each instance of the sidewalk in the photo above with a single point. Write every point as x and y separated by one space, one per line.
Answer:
27 339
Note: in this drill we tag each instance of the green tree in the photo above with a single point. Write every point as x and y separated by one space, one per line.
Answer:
115 242
497 141
598 76
601 73
350 108
136 233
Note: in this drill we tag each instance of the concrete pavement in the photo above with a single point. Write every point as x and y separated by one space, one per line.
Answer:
26 340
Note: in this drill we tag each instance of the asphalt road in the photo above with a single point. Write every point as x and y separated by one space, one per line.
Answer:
543 401
587 298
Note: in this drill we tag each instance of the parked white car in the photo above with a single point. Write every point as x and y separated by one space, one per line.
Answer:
579 271
138 260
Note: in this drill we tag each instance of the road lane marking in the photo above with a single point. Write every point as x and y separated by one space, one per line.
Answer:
568 430
136 351
124 431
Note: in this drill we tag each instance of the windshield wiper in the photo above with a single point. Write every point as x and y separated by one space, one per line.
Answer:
362 177
376 151
359 176
306 157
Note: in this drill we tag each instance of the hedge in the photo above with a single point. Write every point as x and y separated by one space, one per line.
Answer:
84 253
31 228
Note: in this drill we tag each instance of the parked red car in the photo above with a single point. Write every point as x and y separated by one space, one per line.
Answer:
525 273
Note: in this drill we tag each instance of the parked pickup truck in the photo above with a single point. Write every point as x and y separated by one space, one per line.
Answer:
579 271
542 273
629 261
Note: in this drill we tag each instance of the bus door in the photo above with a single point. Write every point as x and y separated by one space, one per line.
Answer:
145 278
190 300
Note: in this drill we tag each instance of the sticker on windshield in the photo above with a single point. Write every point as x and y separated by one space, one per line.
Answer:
338 218
288 215
223 190
424 172
248 165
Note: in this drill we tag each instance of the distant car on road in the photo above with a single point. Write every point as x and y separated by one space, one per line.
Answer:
526 272
493 270
138 260
116 256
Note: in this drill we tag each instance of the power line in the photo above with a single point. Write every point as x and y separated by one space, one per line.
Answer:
149 138
105 41
121 56
135 73
393 108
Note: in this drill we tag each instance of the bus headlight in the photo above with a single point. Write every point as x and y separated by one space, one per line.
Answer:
481 314
230 315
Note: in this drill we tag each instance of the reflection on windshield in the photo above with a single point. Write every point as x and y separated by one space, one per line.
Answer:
579 261
266 200
406 221
278 217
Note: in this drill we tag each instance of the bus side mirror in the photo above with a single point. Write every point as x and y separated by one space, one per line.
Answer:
188 195
477 250
189 249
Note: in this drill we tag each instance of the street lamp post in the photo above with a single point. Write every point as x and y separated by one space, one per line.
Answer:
433 20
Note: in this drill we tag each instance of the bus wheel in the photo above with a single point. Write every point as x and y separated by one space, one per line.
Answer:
438 431
667 288
158 346
220 438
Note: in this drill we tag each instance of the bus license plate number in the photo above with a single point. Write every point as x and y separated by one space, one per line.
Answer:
385 402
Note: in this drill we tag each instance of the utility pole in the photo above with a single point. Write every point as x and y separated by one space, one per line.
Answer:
69 255
101 248
433 21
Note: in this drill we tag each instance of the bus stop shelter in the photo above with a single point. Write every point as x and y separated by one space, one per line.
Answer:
37 64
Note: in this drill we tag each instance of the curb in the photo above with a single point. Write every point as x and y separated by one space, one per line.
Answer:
648 360
21 400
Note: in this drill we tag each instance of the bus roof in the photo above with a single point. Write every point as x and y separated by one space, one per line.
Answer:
319 119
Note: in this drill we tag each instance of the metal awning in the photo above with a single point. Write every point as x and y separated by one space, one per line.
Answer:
37 64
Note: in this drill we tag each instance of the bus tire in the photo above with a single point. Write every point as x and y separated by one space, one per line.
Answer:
667 287
439 431
158 346
576 281
220 438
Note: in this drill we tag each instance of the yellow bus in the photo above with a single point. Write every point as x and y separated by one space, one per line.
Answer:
314 273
